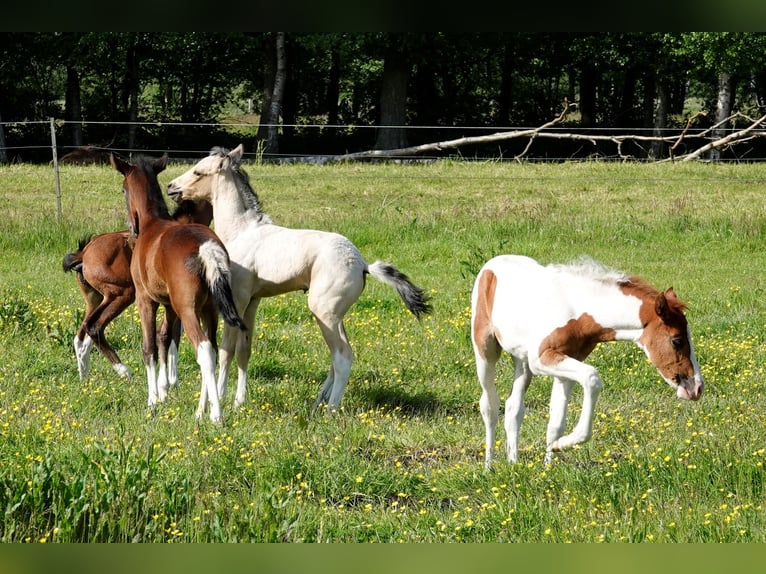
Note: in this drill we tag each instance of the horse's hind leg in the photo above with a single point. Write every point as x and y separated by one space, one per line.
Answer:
165 341
489 404
109 308
342 356
82 341
514 407
203 348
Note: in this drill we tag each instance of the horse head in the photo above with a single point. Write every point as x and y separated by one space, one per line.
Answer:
196 184
666 340
143 174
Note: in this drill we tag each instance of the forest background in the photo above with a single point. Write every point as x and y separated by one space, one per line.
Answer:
293 94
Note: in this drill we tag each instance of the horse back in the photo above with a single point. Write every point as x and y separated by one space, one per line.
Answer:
514 304
166 257
106 259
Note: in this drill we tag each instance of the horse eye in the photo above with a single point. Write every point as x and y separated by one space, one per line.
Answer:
677 343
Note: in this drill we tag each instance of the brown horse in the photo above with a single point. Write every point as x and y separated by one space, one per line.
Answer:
102 264
183 267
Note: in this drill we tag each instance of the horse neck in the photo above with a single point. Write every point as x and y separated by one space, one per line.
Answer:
145 205
232 208
613 307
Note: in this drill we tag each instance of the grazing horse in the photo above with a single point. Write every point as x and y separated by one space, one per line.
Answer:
549 319
182 266
269 260
102 264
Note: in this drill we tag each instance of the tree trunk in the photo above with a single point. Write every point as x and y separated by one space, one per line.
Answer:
722 110
393 102
660 120
73 111
333 90
275 73
3 151
132 83
506 85
587 97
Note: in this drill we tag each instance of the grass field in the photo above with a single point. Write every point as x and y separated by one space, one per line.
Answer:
403 460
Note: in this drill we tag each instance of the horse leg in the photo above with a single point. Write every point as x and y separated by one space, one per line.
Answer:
110 307
560 395
564 367
206 361
514 407
176 331
82 342
489 404
341 355
164 344
147 311
244 350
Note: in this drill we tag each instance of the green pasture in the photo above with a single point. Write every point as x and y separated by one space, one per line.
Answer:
403 459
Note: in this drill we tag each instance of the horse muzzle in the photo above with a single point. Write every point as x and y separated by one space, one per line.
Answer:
690 389
174 192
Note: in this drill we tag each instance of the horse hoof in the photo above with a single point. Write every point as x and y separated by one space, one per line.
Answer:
123 371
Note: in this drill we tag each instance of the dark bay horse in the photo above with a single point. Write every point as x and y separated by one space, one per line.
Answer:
182 266
102 265
270 260
549 319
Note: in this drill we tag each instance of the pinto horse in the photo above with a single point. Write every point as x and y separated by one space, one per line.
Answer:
269 260
549 319
102 264
182 266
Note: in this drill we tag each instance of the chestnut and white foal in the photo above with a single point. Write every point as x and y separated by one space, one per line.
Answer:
549 319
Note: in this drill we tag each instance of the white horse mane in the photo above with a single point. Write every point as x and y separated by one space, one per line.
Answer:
587 267
242 181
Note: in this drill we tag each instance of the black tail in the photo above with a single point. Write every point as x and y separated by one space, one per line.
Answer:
415 298
74 260
215 262
221 290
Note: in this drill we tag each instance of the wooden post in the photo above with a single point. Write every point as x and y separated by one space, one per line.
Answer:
56 169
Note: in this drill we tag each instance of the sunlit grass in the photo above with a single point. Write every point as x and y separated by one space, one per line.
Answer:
403 459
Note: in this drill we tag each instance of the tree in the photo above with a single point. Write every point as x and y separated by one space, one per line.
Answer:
730 58
275 75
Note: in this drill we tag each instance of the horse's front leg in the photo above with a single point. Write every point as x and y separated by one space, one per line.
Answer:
236 342
561 391
589 379
147 311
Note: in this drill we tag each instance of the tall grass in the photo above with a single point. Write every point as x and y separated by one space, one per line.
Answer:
403 460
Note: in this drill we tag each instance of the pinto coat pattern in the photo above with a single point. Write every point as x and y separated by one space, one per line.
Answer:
549 319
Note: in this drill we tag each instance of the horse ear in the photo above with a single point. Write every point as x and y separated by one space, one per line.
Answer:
161 163
236 154
667 303
661 306
118 163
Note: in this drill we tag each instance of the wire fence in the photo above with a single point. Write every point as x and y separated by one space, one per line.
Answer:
45 142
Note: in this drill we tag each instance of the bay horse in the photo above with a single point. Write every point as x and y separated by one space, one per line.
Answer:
269 260
182 266
102 266
549 319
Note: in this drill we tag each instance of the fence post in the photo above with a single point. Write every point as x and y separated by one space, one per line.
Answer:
56 169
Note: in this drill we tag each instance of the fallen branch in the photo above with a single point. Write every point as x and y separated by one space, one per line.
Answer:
724 141
535 133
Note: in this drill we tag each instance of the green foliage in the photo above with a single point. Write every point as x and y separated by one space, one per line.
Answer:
403 459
